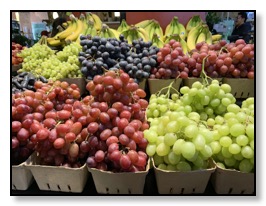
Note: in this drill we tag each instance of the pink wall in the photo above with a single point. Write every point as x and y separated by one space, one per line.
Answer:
163 18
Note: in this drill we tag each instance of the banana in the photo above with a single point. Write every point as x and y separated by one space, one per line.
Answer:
91 29
123 26
84 31
159 31
169 28
216 37
97 21
69 30
184 46
182 31
208 37
151 30
201 37
144 23
155 29
193 22
156 41
192 37
77 32
54 42
175 27
144 33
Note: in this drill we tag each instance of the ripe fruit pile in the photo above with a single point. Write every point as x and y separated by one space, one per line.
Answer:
16 48
100 54
184 134
40 60
118 122
234 60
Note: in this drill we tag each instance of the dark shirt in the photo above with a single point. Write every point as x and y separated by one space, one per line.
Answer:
241 32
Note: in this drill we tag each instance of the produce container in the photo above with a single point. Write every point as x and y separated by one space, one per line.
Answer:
228 181
80 82
107 182
241 88
155 85
57 178
21 177
142 84
189 81
176 182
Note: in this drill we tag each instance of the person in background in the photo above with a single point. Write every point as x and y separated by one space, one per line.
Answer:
58 21
242 28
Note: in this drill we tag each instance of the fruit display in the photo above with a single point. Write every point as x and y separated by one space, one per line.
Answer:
75 27
41 60
16 48
117 123
100 54
175 27
25 81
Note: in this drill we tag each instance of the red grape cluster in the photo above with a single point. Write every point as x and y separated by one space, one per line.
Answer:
40 120
234 60
117 118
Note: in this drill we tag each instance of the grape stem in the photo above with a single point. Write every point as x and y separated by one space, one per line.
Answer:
223 49
203 75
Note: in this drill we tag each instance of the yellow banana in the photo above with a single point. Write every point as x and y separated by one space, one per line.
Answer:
184 46
151 30
144 23
144 33
169 29
208 37
114 32
201 37
69 30
77 32
159 31
156 41
193 22
123 26
216 37
192 37
54 42
91 29
182 31
97 21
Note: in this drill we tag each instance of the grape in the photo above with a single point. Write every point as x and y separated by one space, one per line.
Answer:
245 166
237 129
183 166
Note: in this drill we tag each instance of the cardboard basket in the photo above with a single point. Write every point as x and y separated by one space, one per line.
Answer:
80 82
228 181
16 67
55 178
155 85
107 182
189 81
21 177
142 84
242 87
176 182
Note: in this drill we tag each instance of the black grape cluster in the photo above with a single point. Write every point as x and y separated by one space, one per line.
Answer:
101 54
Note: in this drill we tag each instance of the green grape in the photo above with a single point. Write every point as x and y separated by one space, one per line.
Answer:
210 122
250 131
178 146
252 144
226 88
216 147
234 148
184 90
242 140
221 109
157 159
188 150
229 115
229 162
152 106
197 85
237 129
165 120
226 153
183 166
220 156
198 162
187 100
219 120
193 92
171 168
220 164
174 116
160 139
150 135
173 158
161 100
174 96
170 139
225 141
201 93
203 116
162 149
161 129
238 156
215 102
172 127
205 100
194 116
224 130
183 121
214 88
191 131
233 108
156 113
206 151
163 108
151 149
245 166
162 166
207 134
241 117
216 135
208 110
166 160
247 152
250 100
198 106
232 121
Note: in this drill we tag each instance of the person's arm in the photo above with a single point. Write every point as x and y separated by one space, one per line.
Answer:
245 32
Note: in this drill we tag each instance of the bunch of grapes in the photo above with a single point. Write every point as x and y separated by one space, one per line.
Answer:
233 144
172 62
42 61
36 114
118 121
100 54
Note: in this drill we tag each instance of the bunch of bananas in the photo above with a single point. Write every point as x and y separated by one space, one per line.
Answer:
107 32
151 27
123 26
200 33
175 27
156 41
134 33
88 24
193 22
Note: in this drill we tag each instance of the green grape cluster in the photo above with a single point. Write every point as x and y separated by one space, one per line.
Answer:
234 137
208 100
42 61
